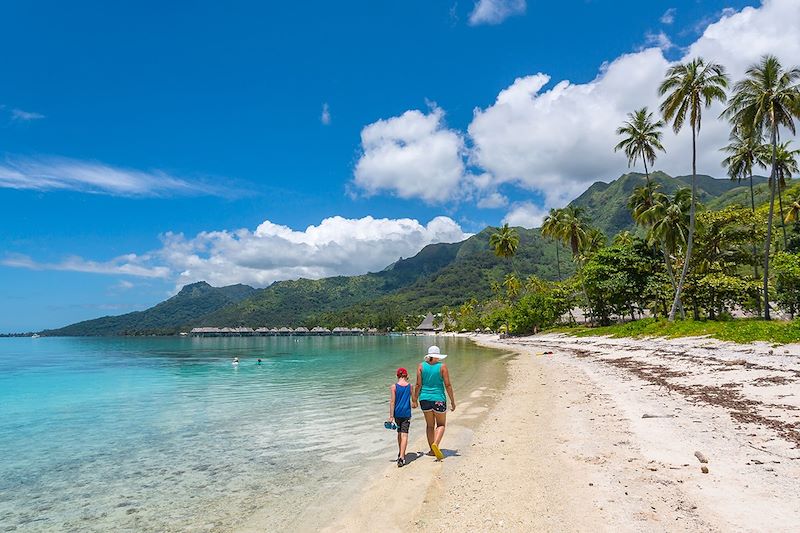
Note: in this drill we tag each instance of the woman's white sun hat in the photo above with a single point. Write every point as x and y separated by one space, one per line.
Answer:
433 351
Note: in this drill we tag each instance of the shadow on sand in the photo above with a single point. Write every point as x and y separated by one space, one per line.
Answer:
413 456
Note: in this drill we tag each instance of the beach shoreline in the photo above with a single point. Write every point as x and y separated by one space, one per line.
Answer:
477 389
601 434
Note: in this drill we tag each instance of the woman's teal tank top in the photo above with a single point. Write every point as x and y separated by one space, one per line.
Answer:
432 383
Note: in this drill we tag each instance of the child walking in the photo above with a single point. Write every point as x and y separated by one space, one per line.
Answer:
400 412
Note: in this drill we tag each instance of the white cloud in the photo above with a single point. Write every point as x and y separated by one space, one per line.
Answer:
25 116
669 16
413 156
130 264
495 11
124 285
492 201
58 173
271 252
525 214
325 118
559 139
660 40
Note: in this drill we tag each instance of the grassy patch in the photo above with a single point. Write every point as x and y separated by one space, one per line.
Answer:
739 330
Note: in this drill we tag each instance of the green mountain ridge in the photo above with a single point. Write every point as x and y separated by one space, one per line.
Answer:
193 301
439 275
606 204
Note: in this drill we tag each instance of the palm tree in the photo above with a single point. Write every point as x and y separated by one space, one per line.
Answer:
623 238
595 240
746 150
767 98
574 229
504 242
512 285
688 89
551 228
785 166
670 220
793 212
642 139
641 200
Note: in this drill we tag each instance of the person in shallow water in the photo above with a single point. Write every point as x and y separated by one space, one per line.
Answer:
235 361
433 379
259 362
400 412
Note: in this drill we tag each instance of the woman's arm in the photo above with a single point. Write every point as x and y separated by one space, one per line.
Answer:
391 403
448 387
417 387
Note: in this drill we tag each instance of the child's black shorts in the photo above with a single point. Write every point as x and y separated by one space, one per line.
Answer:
402 424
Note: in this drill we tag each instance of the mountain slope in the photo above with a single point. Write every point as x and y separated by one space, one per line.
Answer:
606 204
193 301
440 274
289 303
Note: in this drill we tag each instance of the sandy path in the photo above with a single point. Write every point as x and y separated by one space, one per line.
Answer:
601 435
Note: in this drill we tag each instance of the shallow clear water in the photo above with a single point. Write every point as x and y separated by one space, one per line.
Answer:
165 434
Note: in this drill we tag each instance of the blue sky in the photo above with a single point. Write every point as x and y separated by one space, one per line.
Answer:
144 145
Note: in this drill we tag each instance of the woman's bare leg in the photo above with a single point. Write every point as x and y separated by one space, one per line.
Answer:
441 422
430 425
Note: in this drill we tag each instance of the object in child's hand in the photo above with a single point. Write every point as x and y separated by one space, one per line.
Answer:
389 425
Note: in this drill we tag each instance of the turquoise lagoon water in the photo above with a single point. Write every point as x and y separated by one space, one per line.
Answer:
164 434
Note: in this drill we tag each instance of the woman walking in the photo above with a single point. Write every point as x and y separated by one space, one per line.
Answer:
433 379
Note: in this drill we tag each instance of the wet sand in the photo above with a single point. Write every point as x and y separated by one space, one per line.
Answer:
601 435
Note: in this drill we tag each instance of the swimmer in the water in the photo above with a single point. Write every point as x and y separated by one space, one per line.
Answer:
259 362
235 361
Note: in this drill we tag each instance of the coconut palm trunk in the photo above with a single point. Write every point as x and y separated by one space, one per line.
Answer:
755 252
558 261
690 239
780 206
671 272
772 180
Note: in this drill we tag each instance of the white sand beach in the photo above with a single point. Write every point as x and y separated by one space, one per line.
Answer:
601 435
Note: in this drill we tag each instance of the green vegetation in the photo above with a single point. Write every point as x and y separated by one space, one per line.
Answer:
605 204
741 330
514 280
715 251
192 303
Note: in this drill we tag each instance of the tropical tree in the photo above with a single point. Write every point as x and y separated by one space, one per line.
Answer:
552 228
623 238
595 240
504 242
574 229
746 150
513 285
640 202
793 211
642 137
785 166
767 98
669 220
688 88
